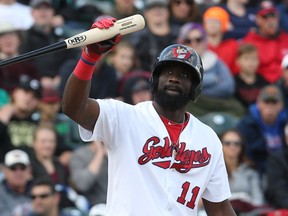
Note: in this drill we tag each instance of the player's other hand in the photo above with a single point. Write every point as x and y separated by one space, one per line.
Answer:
97 49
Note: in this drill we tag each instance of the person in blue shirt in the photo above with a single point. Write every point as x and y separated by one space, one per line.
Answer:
263 127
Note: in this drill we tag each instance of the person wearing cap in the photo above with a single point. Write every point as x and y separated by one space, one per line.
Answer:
45 32
156 35
15 188
10 43
16 122
49 112
277 177
136 88
263 127
270 40
216 21
283 81
49 105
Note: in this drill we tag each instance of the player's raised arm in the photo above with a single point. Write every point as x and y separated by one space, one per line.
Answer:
75 102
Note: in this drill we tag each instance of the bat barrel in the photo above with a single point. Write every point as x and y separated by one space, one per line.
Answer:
124 26
61 45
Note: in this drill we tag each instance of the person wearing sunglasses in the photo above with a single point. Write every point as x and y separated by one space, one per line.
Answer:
218 85
244 180
270 40
45 199
15 187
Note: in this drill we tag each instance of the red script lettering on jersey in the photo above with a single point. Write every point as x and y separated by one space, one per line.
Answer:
185 159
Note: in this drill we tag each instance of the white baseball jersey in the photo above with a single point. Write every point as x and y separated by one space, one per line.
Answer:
144 177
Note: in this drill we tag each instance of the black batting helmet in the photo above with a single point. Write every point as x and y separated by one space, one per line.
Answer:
182 54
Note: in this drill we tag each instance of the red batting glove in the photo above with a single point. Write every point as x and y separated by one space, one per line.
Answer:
92 52
95 50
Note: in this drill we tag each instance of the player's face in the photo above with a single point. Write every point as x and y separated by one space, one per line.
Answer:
174 85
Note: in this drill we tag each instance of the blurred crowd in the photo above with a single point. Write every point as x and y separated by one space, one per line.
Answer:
45 167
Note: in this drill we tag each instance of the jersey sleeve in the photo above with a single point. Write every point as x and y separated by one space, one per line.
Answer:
218 189
111 121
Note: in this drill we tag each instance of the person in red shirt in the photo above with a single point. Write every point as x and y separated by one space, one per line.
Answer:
216 23
270 41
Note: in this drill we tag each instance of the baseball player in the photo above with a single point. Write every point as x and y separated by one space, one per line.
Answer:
162 160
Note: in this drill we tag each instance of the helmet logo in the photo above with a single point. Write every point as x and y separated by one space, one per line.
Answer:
181 53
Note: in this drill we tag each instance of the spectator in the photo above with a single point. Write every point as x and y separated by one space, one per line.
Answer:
283 81
89 172
10 43
49 105
15 188
218 84
16 13
16 122
263 127
157 34
182 11
282 8
216 23
104 79
123 58
268 36
79 13
242 18
244 180
277 177
45 199
44 33
45 163
248 81
137 88
123 8
49 113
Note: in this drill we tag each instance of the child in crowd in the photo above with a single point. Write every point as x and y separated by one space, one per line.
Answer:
216 22
123 58
248 81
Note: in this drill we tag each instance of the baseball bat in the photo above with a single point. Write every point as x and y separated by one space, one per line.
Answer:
123 26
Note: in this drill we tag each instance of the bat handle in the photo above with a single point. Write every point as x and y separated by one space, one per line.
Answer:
61 45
